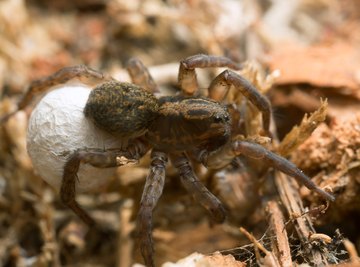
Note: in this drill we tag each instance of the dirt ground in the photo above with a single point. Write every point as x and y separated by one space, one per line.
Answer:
304 55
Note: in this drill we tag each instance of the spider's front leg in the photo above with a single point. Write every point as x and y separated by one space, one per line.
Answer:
200 193
256 151
96 158
152 191
222 83
187 75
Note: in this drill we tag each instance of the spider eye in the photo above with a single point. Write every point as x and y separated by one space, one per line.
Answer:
218 118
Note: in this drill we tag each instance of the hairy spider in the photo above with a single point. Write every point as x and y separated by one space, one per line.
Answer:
177 127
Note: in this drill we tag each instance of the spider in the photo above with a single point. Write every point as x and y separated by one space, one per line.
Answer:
178 127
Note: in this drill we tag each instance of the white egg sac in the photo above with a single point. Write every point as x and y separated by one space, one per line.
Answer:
58 127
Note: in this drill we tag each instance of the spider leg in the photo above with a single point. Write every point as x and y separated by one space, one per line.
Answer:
140 75
187 75
193 185
152 191
256 151
222 83
85 74
97 158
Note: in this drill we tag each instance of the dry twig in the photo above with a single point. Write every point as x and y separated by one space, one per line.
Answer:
280 244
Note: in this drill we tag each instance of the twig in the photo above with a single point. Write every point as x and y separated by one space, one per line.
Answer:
291 199
280 244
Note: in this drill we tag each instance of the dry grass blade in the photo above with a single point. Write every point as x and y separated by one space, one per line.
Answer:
300 133
269 259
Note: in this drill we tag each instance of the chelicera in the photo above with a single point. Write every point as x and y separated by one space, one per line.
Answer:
176 127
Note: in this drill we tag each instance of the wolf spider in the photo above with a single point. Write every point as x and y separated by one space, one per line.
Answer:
177 127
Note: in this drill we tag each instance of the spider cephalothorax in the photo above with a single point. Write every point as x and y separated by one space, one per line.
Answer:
183 124
174 126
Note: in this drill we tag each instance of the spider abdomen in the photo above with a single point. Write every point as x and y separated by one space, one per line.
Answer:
186 123
123 109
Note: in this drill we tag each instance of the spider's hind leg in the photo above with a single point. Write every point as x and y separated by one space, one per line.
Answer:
81 72
141 76
97 158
